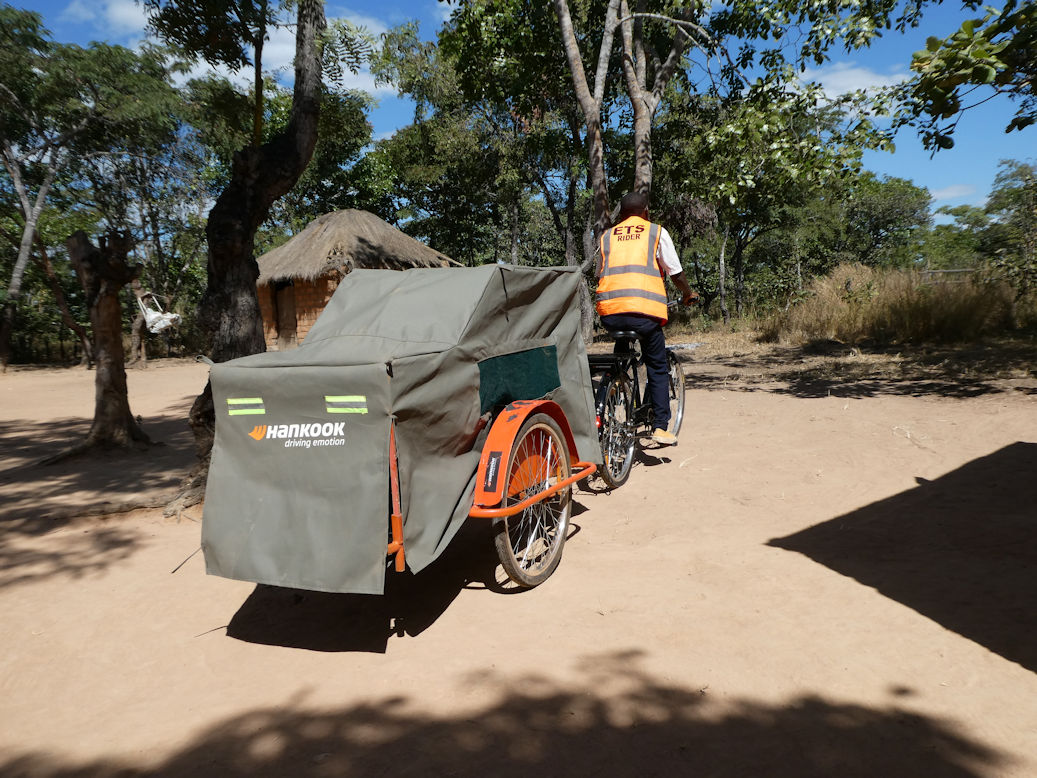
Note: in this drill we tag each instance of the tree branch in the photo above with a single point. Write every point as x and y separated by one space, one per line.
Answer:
605 52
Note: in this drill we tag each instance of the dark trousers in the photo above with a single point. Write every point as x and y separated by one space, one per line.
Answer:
653 348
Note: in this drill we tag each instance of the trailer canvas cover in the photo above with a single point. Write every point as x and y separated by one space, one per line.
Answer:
298 491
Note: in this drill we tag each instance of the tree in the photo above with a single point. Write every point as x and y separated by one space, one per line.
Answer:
103 273
591 101
260 173
221 33
58 104
886 220
343 132
455 178
150 185
757 157
994 55
958 245
773 38
1013 207
508 74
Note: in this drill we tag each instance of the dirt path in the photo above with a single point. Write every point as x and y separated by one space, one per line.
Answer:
830 576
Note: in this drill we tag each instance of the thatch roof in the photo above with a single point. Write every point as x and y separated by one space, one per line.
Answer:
345 240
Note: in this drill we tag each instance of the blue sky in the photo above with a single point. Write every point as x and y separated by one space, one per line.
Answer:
962 175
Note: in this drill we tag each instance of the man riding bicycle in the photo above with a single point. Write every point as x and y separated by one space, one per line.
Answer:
636 257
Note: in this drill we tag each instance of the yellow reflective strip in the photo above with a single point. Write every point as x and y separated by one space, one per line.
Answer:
244 400
346 410
345 398
247 412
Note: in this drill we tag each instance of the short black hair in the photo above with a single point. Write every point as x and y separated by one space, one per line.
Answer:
633 204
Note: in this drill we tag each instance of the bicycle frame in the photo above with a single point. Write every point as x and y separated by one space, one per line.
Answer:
624 411
624 362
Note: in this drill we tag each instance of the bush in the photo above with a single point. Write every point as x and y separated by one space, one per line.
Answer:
857 304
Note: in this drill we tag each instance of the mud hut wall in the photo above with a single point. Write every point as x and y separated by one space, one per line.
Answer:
310 298
268 310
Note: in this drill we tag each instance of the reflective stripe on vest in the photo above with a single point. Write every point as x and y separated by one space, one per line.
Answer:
629 280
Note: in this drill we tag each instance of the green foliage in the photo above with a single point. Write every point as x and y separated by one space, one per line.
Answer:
344 46
221 33
1013 234
885 220
458 176
508 52
998 51
328 183
958 245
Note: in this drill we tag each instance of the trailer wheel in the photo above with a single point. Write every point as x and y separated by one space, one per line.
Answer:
530 543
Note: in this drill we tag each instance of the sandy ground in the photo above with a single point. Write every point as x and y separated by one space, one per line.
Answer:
833 574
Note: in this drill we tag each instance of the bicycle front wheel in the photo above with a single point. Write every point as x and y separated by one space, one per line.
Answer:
676 391
529 543
615 433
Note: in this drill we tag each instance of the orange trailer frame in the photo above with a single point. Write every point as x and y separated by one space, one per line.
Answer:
496 456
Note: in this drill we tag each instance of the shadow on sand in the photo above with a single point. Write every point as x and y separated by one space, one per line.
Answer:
38 499
610 719
319 621
88 482
960 549
826 369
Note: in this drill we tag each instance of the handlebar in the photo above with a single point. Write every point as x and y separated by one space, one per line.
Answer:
673 305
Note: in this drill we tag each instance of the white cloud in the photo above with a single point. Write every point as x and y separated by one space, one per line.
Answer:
372 24
442 10
125 16
365 82
109 17
80 11
279 59
279 52
842 77
953 192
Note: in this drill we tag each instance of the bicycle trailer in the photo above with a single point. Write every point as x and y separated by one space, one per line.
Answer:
418 397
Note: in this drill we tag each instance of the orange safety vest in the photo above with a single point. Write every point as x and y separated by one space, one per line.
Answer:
629 280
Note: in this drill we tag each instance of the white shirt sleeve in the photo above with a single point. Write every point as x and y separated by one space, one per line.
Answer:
666 255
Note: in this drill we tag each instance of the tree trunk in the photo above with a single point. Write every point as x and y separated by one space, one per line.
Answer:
589 270
138 342
514 231
739 268
722 280
644 101
103 273
31 211
259 176
59 297
138 331
590 103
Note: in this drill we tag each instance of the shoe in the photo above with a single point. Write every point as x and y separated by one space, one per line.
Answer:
664 438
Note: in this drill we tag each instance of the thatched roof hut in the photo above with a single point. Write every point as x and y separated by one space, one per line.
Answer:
297 279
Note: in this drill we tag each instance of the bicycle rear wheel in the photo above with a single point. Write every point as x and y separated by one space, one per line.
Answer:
530 543
616 436
676 392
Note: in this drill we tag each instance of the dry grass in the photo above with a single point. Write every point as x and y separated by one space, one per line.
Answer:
859 305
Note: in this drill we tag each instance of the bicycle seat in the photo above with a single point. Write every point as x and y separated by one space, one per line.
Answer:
625 340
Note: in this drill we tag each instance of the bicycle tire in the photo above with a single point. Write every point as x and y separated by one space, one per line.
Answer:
615 435
676 391
529 544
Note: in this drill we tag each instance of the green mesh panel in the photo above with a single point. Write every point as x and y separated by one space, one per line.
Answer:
524 375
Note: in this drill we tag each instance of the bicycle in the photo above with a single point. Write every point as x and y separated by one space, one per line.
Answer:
623 409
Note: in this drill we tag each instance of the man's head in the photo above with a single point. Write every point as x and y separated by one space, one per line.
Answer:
633 204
